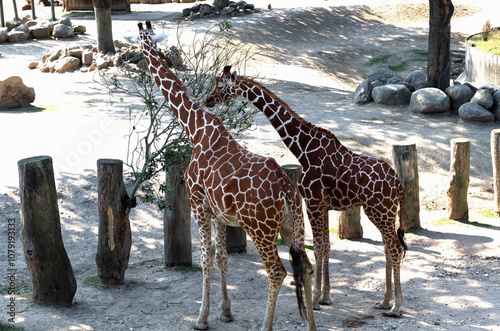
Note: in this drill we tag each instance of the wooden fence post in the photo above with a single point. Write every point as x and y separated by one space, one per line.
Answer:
177 220
49 267
115 237
349 226
495 156
458 208
404 155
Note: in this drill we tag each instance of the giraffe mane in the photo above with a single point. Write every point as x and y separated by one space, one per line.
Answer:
310 125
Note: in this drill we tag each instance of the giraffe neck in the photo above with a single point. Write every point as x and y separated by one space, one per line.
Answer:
297 134
184 105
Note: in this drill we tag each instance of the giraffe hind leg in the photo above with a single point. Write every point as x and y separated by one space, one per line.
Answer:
221 260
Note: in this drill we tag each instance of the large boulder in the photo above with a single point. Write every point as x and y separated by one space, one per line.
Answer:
496 105
391 94
68 63
417 79
17 36
384 76
483 98
429 100
4 34
14 94
471 111
363 93
62 31
39 31
458 94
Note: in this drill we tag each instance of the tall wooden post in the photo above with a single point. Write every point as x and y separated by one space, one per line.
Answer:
115 237
495 157
349 225
49 267
33 16
177 220
404 155
458 209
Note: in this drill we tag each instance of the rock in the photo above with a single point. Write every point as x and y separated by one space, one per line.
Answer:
80 29
39 32
12 24
417 79
62 31
101 63
31 23
13 93
458 94
392 94
68 63
429 100
17 36
384 76
33 65
74 51
87 57
471 111
52 55
363 93
496 105
4 34
472 87
483 98
22 27
66 21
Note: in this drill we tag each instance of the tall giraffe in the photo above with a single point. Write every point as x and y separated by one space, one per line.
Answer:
232 186
333 178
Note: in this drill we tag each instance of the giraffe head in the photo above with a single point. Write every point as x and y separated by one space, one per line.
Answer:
147 38
224 88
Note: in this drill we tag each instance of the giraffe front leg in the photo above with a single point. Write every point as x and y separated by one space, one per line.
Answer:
325 293
221 260
206 266
276 274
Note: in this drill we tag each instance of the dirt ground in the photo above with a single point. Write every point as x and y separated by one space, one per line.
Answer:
312 56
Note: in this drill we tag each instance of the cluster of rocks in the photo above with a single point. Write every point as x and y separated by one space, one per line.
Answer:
85 58
388 88
220 9
14 94
161 1
19 31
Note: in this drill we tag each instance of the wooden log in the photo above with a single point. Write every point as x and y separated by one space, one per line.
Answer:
115 237
458 208
50 270
236 240
293 171
177 220
349 225
404 155
495 156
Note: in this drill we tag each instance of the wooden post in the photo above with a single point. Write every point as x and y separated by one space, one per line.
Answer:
115 237
350 224
236 240
177 220
293 171
458 208
495 156
404 155
49 267
33 16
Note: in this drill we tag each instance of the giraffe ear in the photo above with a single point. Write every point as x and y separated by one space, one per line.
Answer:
131 39
160 37
233 76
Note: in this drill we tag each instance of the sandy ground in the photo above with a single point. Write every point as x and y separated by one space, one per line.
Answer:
312 57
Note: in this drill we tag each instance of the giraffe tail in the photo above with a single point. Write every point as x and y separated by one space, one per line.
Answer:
298 276
400 232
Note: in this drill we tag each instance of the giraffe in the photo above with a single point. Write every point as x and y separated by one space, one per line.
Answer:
333 178
228 185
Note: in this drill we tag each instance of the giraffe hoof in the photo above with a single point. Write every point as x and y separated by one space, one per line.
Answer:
392 313
200 326
381 305
325 302
316 306
225 318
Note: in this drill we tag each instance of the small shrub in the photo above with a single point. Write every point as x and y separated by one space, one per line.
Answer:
486 30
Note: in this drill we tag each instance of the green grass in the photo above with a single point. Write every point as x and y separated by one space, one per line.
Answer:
92 281
442 221
487 212
491 46
9 327
400 67
377 59
183 268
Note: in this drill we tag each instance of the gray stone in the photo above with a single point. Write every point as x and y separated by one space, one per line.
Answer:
17 36
471 111
384 76
80 29
392 94
4 34
363 93
417 79
483 98
68 63
87 57
66 21
496 105
13 93
22 27
39 32
62 31
429 100
52 55
12 24
458 94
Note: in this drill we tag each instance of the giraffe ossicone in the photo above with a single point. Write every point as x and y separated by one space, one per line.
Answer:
333 178
232 186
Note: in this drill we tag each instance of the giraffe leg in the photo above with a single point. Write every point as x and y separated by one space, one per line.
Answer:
221 260
385 304
206 266
324 299
398 297
316 217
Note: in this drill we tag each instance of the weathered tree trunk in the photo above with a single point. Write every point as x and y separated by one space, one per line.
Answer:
16 16
102 10
2 17
177 220
293 171
495 156
236 240
52 10
33 16
458 208
438 63
115 237
404 157
350 224
49 267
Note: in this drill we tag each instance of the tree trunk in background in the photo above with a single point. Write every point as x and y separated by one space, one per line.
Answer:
102 10
458 208
438 63
49 267
2 18
16 17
